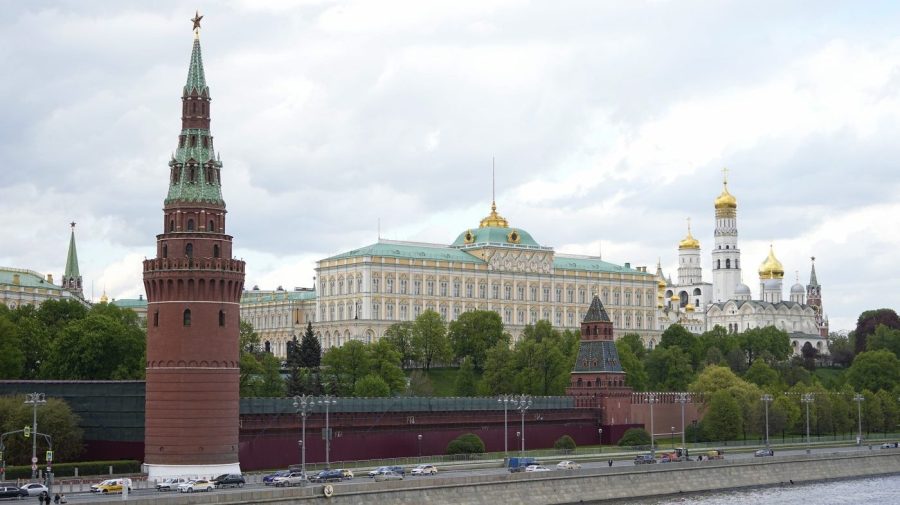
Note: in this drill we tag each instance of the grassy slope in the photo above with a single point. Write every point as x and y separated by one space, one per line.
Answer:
444 380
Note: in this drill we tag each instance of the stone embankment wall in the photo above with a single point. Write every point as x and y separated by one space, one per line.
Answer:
568 488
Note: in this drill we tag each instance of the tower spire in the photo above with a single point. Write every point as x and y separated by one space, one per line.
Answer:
72 276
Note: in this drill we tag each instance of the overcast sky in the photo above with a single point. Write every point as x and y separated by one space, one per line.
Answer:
610 123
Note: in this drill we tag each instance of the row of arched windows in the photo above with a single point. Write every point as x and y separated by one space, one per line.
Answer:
187 318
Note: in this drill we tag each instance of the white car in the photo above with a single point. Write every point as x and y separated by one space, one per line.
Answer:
424 470
170 484
567 465
291 479
196 485
34 488
536 468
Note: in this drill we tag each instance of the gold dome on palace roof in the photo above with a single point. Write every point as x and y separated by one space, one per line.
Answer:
771 268
103 298
494 220
689 307
689 242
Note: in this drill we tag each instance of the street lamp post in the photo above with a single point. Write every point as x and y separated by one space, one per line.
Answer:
327 401
672 437
807 399
420 446
858 398
302 404
505 400
682 398
34 399
600 433
522 403
766 399
651 399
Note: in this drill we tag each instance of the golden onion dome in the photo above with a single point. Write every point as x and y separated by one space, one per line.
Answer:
726 200
689 242
689 307
675 298
661 284
771 268
494 220
103 298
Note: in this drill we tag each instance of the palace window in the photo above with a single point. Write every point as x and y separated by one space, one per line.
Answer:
469 290
571 319
417 287
507 292
558 318
375 313
533 293
628 298
429 288
404 312
375 285
482 290
390 285
390 311
417 309
403 286
444 312
521 315
187 317
559 295
456 289
455 312
495 291
507 316
533 316
546 294
444 288
581 296
570 295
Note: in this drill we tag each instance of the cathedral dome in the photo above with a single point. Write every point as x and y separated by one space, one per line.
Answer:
689 307
494 220
689 242
742 289
675 298
771 268
726 200
798 289
772 285
495 229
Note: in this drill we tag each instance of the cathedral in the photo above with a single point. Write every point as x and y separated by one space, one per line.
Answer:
728 302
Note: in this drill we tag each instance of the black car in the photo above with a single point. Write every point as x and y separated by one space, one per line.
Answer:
328 476
12 492
229 480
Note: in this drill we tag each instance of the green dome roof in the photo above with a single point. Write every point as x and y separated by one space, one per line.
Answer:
495 235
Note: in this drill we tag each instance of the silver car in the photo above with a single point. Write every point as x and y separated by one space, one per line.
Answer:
388 476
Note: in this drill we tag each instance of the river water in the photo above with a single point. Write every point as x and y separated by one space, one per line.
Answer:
875 490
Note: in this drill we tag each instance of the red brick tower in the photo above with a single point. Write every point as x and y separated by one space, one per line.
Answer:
193 292
598 380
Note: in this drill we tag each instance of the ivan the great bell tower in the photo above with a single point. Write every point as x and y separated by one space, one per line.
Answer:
193 292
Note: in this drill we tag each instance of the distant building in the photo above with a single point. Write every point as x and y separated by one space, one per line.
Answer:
138 305
278 316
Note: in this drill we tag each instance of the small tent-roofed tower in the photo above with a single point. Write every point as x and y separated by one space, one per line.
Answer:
598 380
72 277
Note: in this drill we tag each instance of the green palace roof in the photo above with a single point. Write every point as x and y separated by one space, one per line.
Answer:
253 296
131 303
590 264
409 250
492 235
27 278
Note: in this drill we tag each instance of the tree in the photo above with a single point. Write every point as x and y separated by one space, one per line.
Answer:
635 373
473 333
867 323
385 364
634 343
420 384
465 379
714 379
884 338
889 410
784 413
564 443
723 420
248 339
840 349
400 336
371 386
810 354
54 418
499 372
429 338
635 437
469 443
768 339
12 359
310 355
269 382
669 369
872 413
874 370
543 360
345 365
762 374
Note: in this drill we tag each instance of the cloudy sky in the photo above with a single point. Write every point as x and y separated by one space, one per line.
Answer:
610 123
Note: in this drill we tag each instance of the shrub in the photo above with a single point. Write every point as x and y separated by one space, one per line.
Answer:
635 437
564 443
469 443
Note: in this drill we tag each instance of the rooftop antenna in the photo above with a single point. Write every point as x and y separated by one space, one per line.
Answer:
493 181
379 228
600 250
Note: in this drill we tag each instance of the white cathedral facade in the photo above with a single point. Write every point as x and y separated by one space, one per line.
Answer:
728 302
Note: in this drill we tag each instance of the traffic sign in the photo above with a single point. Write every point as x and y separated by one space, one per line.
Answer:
27 431
34 459
49 456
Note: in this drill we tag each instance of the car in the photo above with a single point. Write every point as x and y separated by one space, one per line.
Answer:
389 475
12 492
384 469
170 483
111 486
536 468
328 476
229 480
268 480
424 470
291 479
763 453
196 485
889 445
34 488
348 474
644 459
568 465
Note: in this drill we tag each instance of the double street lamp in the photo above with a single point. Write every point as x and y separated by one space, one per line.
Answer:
34 399
858 398
505 400
327 401
766 399
523 403
682 398
651 399
807 398
301 405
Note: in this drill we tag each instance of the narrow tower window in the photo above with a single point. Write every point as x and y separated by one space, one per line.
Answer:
221 318
187 317
189 250
165 251
215 250
171 225
156 318
212 226
728 263
190 225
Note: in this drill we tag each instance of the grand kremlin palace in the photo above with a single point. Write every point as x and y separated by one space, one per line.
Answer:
360 293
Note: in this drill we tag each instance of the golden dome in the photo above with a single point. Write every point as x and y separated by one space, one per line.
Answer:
689 242
675 298
726 200
103 298
661 284
494 220
771 268
689 307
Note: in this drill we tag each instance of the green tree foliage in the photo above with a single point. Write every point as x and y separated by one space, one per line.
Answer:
465 379
310 349
714 379
54 418
634 343
723 419
890 411
371 386
843 413
499 372
345 365
400 336
872 412
635 374
420 384
543 368
840 349
12 359
867 323
669 369
385 362
564 443
473 333
107 344
469 443
809 355
677 336
429 338
784 414
769 339
260 372
762 374
884 338
874 370
635 437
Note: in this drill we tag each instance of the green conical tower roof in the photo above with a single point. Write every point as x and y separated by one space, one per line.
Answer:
196 79
72 258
